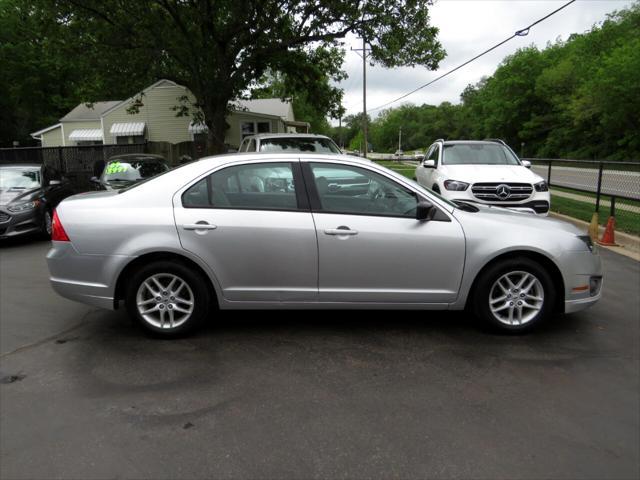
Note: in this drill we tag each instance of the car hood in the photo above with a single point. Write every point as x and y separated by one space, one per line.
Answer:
493 215
8 195
490 173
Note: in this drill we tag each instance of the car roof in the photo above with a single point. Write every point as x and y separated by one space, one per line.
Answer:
286 135
21 165
471 142
138 156
262 157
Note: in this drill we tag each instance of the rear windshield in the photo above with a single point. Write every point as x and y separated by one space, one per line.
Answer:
132 170
478 154
315 145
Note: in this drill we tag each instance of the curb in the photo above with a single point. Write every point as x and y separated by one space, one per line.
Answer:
629 244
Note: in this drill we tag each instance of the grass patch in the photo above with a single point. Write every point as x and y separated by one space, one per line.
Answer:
593 195
625 221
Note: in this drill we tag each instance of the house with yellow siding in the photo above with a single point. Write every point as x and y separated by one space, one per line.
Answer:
154 119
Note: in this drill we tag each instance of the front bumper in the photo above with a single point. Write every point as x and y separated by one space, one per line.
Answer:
21 223
538 202
582 272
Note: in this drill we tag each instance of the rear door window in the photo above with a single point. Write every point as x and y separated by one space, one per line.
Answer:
255 186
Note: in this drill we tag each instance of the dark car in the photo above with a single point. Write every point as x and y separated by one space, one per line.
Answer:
122 171
28 195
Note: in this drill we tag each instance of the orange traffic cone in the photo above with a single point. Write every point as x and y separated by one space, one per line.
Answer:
608 237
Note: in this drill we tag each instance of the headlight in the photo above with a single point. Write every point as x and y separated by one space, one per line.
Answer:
541 186
455 185
23 207
586 239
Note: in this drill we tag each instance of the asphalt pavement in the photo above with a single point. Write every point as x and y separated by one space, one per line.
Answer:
84 394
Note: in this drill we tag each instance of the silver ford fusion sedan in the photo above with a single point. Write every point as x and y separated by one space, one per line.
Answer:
303 231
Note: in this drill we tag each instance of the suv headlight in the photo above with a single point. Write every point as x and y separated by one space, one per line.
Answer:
455 185
23 207
586 239
541 186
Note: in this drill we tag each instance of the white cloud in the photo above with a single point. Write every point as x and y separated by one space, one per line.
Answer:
468 27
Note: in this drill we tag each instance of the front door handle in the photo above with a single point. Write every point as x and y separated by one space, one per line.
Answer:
199 226
340 231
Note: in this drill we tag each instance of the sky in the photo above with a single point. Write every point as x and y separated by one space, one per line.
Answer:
468 27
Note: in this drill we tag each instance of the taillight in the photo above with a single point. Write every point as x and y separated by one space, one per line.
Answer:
57 230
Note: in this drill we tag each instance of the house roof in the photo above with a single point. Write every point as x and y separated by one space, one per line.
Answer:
44 130
160 83
267 106
83 112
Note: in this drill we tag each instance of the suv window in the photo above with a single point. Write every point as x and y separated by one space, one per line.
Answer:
353 190
256 186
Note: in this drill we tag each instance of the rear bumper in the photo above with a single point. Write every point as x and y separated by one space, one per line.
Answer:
93 294
88 279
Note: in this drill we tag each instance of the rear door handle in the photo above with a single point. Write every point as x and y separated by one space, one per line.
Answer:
199 226
340 231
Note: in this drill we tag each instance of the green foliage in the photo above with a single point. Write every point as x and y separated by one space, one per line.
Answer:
578 98
220 48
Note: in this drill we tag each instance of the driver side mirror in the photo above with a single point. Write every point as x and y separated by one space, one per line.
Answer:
429 164
526 163
425 211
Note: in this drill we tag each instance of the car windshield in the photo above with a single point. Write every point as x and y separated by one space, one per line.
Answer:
132 170
308 144
19 178
478 154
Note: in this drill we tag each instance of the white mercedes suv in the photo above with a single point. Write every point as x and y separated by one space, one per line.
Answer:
486 172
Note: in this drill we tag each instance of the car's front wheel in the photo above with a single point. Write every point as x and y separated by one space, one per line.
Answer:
514 295
46 226
167 298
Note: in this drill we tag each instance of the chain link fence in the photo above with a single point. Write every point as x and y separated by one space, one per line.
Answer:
581 187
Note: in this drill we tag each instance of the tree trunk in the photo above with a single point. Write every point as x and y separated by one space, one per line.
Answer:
215 113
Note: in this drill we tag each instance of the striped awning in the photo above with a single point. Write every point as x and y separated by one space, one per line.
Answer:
131 129
86 135
198 128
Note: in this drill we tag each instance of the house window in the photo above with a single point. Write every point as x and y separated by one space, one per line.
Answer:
126 140
251 128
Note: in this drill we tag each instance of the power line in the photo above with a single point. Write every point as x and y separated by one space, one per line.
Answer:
520 33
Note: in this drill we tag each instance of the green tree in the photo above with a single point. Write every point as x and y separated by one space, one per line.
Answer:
218 48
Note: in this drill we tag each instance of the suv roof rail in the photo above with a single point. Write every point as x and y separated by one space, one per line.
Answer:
439 140
498 140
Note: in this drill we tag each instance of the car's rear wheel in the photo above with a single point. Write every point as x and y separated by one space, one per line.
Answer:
514 295
167 298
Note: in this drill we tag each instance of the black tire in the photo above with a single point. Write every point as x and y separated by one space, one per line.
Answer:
198 290
45 227
485 285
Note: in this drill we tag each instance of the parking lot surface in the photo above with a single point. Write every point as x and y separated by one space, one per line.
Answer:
84 394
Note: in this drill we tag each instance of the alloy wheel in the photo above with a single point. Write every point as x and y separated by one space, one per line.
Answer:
516 298
165 301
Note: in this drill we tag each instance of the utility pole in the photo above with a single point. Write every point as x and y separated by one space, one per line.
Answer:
400 139
365 127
